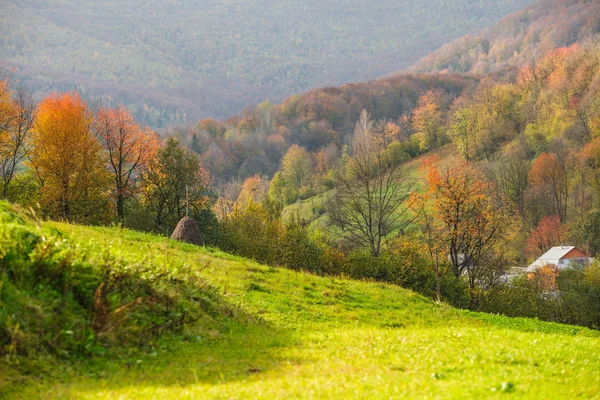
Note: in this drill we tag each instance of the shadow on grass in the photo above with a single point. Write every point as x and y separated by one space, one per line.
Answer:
239 347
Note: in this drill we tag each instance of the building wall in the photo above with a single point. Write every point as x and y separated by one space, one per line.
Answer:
575 253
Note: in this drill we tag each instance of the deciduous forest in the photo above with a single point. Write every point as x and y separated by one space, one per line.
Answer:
176 62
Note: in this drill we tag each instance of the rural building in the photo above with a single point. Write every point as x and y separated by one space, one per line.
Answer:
561 257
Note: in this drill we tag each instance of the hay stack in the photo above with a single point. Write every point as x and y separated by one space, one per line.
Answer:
187 231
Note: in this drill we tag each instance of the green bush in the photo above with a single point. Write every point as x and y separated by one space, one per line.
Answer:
299 252
404 265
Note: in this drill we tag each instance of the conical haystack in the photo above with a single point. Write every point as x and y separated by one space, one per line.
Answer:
187 231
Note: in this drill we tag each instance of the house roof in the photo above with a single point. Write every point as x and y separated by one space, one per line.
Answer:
556 253
554 257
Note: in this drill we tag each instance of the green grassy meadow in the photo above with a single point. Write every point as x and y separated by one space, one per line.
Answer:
303 336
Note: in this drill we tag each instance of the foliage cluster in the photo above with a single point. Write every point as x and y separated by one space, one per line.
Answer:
96 165
574 301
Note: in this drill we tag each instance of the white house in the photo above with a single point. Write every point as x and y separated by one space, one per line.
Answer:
561 257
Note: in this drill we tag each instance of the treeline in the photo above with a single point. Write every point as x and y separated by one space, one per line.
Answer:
95 166
320 120
517 39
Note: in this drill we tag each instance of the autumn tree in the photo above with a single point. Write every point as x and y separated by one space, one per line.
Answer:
296 169
471 220
277 188
463 130
372 192
254 189
428 121
550 181
591 159
67 158
16 123
128 149
173 175
548 233
481 122
6 112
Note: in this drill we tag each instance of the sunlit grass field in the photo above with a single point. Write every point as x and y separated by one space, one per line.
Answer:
304 336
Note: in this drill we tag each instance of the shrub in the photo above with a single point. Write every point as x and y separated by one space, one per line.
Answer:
252 233
299 252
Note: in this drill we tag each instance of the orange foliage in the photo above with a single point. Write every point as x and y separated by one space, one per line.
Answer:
549 232
128 148
253 189
66 156
466 215
545 277
548 175
427 120
591 158
5 107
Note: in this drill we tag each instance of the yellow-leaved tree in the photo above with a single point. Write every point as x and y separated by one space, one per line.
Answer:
68 160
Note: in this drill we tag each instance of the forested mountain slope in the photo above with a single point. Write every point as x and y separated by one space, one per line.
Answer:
518 38
181 61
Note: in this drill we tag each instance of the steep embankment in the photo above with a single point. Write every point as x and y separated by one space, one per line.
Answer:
283 334
517 39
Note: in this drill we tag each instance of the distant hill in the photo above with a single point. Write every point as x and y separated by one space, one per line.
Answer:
528 33
176 62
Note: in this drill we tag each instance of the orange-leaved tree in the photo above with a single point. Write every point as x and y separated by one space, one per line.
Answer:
428 121
128 149
67 158
471 221
548 233
254 189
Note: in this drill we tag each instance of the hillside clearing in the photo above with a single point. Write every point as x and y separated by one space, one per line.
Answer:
321 337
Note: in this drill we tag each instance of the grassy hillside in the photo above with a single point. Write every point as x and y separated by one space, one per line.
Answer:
545 25
179 61
297 335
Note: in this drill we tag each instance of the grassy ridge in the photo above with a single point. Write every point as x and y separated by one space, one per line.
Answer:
308 336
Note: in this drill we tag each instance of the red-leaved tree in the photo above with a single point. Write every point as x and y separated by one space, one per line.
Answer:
550 232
